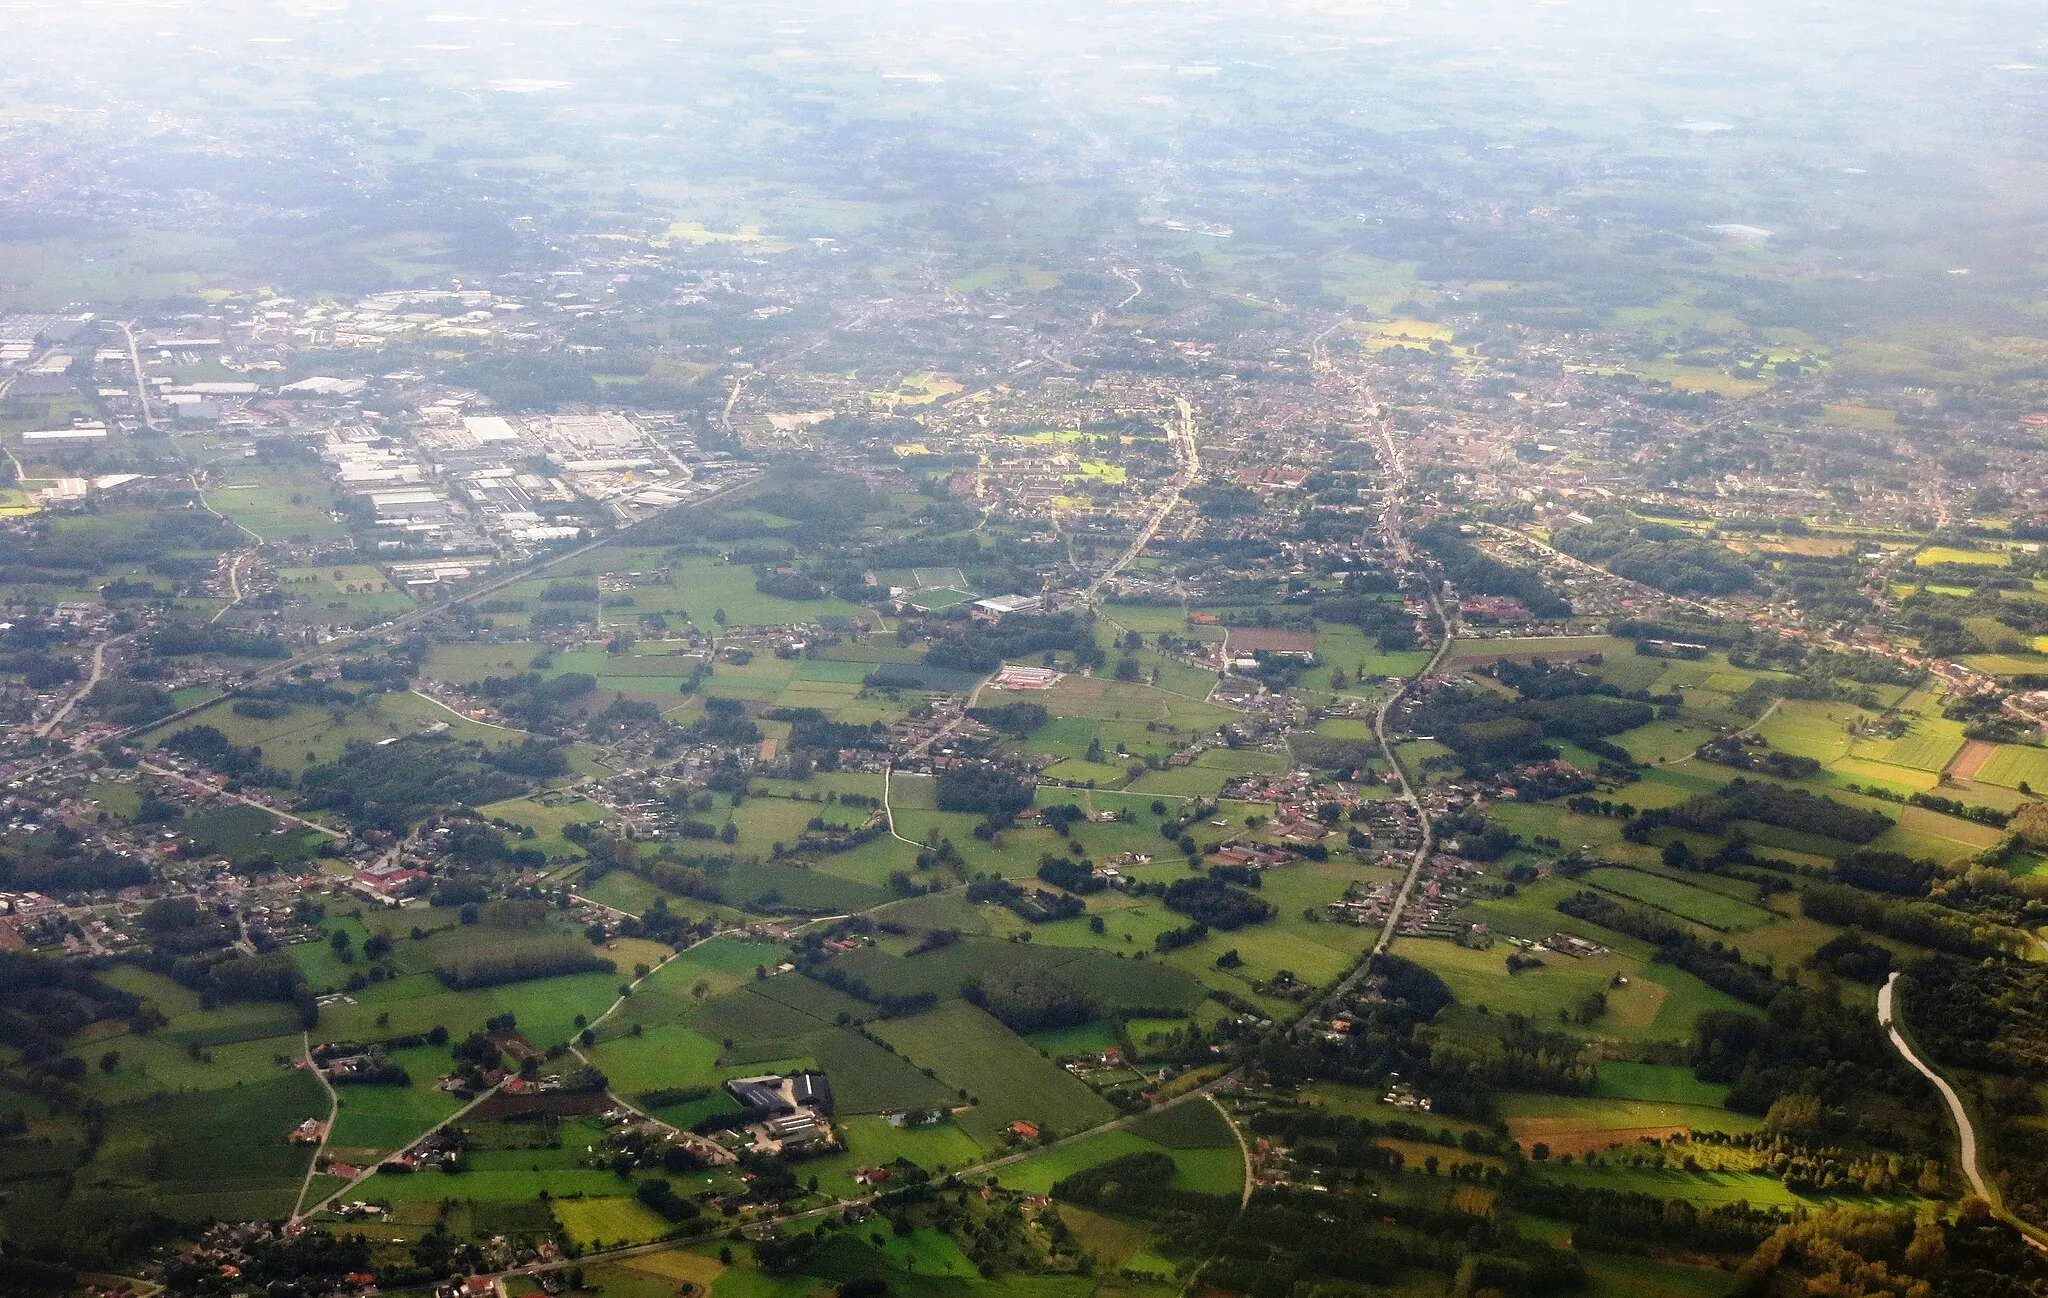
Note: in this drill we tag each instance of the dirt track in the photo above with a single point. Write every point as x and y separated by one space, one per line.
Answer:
1965 764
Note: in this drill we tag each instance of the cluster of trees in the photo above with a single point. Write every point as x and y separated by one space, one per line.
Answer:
981 647
519 960
1923 923
1521 1057
225 974
979 787
1210 901
1488 732
659 1195
534 701
208 746
810 728
1470 570
1890 872
788 585
1809 1043
1351 1140
1656 554
536 756
43 1002
390 786
1031 1000
725 722
1980 1015
1718 966
1854 957
684 876
1729 750
177 639
1542 679
1140 1184
1765 803
1076 876
130 702
1394 1035
1019 719
1626 1221
526 381
1888 1253
62 860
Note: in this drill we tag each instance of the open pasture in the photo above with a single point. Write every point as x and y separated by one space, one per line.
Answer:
1937 554
1003 1077
609 1220
2012 765
1687 902
1573 1124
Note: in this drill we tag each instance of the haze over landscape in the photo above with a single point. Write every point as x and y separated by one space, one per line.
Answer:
1291 650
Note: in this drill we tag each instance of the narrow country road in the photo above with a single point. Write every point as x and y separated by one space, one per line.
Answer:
370 1171
973 1173
1397 541
1244 1148
1965 1129
333 1112
99 670
203 786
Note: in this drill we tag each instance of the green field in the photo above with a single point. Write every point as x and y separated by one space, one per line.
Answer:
1659 1003
1206 1168
1003 1077
2016 764
244 834
548 814
222 1153
868 1079
666 1057
1614 1275
1667 1083
379 1119
1681 899
1935 554
1113 981
613 1220
1578 1123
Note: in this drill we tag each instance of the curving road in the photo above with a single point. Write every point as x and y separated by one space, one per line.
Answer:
99 671
218 792
1964 1127
333 1112
1966 1131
